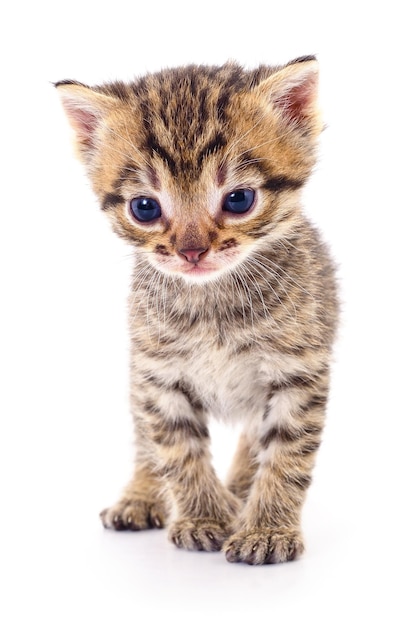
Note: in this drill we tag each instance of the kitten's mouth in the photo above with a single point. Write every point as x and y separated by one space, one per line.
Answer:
202 267
202 270
198 270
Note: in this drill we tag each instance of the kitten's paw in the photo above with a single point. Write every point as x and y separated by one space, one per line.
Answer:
199 534
134 514
264 546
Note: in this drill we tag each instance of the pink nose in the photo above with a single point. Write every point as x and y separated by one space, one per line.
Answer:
194 255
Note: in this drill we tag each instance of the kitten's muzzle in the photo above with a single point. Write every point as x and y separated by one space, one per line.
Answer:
193 255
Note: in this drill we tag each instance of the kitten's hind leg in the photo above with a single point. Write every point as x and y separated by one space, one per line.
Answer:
141 506
243 468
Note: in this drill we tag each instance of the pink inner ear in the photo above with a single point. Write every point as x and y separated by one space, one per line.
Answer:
296 102
83 121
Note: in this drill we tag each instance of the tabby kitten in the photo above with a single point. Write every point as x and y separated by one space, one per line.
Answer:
233 307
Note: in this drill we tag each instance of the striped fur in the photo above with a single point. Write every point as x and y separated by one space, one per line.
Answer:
245 331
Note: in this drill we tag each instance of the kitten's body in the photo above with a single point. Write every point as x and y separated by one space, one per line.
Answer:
232 312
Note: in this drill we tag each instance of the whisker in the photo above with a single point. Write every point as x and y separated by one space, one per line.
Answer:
249 297
272 274
264 143
257 288
236 282
240 138
242 165
286 276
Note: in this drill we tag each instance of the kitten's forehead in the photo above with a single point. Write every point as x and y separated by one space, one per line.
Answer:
185 114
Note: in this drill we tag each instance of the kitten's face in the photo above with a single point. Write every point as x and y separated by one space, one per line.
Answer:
197 167
196 226
197 232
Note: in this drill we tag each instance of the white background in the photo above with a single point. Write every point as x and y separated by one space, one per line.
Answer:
65 428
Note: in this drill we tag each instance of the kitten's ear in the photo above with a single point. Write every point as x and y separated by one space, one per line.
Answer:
85 109
292 92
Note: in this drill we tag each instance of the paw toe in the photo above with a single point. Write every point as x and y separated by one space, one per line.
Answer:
198 534
265 546
133 515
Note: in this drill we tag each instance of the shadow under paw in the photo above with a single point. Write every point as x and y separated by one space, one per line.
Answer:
134 514
199 534
264 546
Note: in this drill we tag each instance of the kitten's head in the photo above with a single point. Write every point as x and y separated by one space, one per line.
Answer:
198 166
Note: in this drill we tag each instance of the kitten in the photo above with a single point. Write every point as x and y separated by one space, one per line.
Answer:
233 306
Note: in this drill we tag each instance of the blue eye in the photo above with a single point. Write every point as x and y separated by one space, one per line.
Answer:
239 201
145 209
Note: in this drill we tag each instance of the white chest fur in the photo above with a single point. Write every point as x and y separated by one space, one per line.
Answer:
230 387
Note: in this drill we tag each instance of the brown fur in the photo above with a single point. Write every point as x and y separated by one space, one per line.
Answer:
243 331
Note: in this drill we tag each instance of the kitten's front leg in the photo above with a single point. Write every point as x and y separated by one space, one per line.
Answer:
143 504
203 509
206 511
268 530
